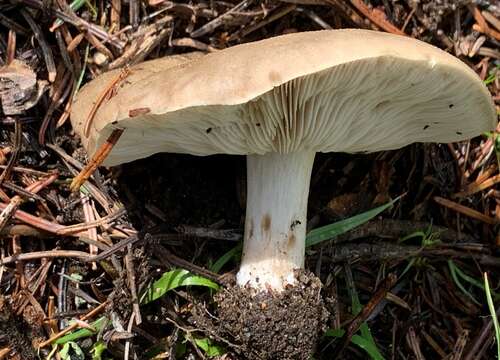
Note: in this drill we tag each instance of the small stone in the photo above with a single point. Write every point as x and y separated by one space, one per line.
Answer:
100 59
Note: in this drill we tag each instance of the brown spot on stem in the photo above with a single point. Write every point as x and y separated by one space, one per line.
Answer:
265 225
250 229
291 240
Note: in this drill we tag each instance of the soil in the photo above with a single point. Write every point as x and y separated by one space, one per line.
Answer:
206 184
267 325
13 335
432 13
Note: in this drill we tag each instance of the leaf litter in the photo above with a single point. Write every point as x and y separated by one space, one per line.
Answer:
70 259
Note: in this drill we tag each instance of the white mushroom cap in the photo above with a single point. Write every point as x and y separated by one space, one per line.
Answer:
336 90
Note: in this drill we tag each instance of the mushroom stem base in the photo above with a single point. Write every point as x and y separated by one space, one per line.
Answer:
267 326
276 217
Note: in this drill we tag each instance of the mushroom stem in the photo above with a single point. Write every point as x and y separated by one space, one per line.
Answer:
276 217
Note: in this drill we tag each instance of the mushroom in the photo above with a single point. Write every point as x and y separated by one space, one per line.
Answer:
280 101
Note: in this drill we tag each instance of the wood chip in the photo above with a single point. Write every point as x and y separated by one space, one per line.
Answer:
19 89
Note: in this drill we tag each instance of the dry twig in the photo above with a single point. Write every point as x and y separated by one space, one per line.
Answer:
376 18
96 160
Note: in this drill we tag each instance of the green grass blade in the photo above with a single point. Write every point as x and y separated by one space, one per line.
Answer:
408 267
493 312
172 280
492 76
340 227
361 342
367 346
455 273
76 5
337 333
416 234
209 347
97 350
364 329
224 259
468 278
71 351
82 73
98 325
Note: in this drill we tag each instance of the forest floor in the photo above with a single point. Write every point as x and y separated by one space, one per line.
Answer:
408 284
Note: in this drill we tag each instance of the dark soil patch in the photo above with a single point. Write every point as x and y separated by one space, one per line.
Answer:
169 181
13 335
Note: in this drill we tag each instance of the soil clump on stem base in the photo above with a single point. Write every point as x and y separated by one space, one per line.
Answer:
270 325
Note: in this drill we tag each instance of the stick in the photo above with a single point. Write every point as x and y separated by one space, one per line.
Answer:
377 20
73 326
465 210
96 160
